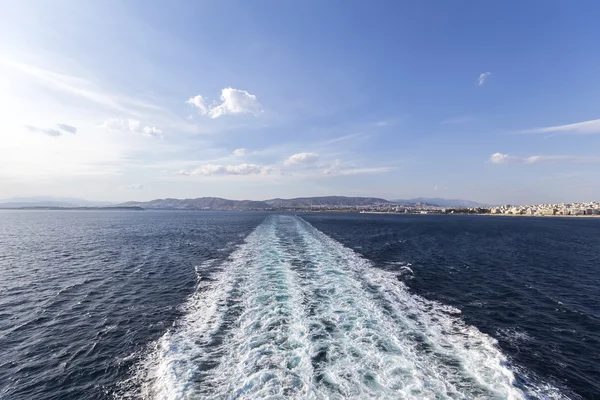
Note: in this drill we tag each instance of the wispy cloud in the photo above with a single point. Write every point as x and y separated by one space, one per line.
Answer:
500 158
483 77
61 128
233 101
241 169
45 131
343 138
580 128
67 128
80 87
132 125
338 169
302 158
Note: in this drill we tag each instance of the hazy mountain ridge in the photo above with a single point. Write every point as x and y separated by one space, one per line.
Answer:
47 201
441 202
218 203
339 201
200 203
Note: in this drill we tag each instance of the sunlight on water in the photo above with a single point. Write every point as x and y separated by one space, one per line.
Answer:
295 314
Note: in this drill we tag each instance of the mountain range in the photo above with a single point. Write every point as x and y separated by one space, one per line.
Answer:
334 201
217 203
441 202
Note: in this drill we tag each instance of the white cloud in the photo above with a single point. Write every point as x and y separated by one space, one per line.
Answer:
80 87
233 101
302 158
240 152
483 77
241 169
437 188
499 158
336 169
151 131
67 128
343 138
579 128
198 102
48 132
131 125
53 132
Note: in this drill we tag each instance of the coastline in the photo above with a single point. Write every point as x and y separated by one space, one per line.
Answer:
481 215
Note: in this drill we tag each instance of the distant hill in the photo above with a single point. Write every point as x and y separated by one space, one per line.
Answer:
217 203
336 201
44 201
22 204
440 202
201 203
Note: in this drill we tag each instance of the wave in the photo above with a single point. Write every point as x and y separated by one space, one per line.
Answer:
293 313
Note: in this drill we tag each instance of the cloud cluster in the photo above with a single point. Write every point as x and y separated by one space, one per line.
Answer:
483 77
233 101
579 128
60 129
132 125
308 163
240 152
500 158
241 169
302 158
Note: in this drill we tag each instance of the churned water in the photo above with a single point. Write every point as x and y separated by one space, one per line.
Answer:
176 305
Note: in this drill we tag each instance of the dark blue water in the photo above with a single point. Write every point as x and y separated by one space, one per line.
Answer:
531 283
97 305
82 292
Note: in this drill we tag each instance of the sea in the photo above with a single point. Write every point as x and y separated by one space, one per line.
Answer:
253 305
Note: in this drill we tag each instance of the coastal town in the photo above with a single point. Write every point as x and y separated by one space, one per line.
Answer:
589 208
559 209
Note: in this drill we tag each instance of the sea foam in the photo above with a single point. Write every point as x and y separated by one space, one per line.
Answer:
295 314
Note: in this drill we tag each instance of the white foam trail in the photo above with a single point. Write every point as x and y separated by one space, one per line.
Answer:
386 342
295 314
267 352
171 367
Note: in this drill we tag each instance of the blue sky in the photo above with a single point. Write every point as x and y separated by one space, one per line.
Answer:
496 102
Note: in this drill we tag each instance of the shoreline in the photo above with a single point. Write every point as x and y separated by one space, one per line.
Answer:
482 215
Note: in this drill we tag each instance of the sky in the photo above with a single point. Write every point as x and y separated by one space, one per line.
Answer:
496 102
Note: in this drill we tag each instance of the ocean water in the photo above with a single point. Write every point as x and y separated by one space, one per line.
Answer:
177 305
